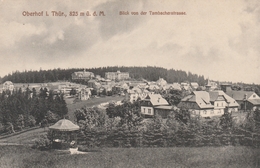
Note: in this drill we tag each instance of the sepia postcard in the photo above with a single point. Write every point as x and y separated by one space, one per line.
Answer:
203 47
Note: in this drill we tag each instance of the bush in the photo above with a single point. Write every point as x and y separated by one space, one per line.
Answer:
31 122
42 143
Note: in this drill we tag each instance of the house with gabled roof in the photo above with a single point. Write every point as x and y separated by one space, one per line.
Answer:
220 100
247 100
208 104
155 104
136 93
198 103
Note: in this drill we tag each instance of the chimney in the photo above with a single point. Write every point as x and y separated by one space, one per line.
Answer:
245 96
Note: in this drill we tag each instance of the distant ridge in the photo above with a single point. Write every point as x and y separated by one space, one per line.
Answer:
150 73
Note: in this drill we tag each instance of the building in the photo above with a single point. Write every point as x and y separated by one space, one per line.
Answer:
208 104
8 85
247 100
221 100
92 83
82 75
194 85
84 93
117 75
211 85
155 104
185 86
136 93
225 87
161 82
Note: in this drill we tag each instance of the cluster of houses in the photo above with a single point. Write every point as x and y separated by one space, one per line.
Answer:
205 101
82 91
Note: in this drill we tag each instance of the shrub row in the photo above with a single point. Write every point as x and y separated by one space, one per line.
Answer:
125 138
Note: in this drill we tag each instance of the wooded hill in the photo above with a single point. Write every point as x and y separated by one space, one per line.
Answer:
148 73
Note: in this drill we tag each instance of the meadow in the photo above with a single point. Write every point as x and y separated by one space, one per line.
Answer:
72 107
225 156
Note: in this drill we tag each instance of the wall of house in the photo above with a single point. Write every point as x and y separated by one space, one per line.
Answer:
233 109
219 104
147 110
206 112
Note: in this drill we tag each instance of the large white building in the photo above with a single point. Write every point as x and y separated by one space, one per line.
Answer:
82 75
117 75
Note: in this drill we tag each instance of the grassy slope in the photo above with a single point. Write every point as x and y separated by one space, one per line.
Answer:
26 138
21 156
29 136
89 103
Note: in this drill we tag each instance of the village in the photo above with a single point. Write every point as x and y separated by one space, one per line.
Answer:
92 113
205 101
114 83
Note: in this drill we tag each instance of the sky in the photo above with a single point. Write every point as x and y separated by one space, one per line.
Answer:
217 39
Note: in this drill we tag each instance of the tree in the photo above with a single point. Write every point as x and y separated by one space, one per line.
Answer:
182 115
129 113
226 120
90 117
51 117
20 122
30 121
73 92
172 123
173 97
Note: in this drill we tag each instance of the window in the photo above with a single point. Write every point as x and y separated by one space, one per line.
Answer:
144 110
149 111
205 112
253 95
212 112
217 104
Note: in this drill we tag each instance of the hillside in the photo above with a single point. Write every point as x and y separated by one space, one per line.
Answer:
148 73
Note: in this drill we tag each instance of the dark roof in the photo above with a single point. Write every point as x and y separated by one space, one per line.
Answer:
239 95
254 101
200 97
231 101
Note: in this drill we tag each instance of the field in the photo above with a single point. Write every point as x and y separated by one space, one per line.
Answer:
229 156
89 103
